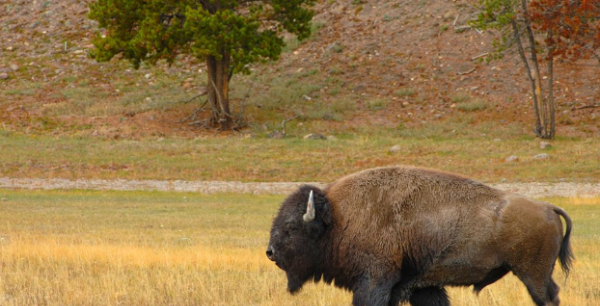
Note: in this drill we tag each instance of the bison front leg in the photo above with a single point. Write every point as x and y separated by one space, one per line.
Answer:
430 296
368 292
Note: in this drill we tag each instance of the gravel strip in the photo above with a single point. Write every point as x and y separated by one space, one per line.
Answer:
534 190
207 187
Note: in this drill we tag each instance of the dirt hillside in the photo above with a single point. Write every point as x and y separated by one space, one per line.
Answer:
420 57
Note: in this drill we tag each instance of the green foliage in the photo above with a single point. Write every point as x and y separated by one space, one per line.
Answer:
460 97
377 104
405 92
228 34
496 15
150 30
137 29
472 106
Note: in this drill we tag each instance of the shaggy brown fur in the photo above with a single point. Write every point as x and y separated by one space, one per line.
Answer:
400 234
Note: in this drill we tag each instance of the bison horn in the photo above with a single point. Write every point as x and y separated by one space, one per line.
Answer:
310 209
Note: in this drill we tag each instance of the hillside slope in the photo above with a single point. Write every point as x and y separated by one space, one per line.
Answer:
391 63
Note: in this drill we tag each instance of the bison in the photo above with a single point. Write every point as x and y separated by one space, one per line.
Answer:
401 234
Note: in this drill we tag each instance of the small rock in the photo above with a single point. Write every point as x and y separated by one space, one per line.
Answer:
359 88
541 156
512 158
335 47
3 76
307 98
448 16
395 149
405 104
327 116
315 136
14 67
276 134
545 145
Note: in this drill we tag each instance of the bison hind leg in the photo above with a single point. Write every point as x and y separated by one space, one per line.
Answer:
553 293
430 296
543 292
492 276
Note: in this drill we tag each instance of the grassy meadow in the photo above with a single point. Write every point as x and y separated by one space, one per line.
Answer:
152 248
479 154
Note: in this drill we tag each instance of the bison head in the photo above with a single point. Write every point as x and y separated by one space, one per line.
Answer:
297 237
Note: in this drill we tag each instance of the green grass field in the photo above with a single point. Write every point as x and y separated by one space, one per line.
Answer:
293 159
152 248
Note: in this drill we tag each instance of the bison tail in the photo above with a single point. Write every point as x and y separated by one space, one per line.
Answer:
565 254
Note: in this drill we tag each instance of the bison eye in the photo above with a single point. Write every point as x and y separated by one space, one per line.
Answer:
291 225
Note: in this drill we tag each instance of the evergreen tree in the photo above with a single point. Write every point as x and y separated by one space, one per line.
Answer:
227 34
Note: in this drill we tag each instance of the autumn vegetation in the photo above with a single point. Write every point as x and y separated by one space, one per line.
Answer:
543 31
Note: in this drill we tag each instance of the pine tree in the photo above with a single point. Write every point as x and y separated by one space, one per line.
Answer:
226 34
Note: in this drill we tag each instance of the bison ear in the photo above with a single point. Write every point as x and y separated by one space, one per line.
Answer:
310 209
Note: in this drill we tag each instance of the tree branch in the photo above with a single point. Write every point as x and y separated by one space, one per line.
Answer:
584 107
192 117
191 99
594 53
286 121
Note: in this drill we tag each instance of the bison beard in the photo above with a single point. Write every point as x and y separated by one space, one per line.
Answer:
401 234
300 271
300 262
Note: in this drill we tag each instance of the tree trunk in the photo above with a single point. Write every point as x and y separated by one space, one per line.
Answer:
531 75
543 106
218 91
540 104
551 126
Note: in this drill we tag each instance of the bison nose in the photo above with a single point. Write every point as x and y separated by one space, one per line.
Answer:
270 253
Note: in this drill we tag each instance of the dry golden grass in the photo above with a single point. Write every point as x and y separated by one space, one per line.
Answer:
132 248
